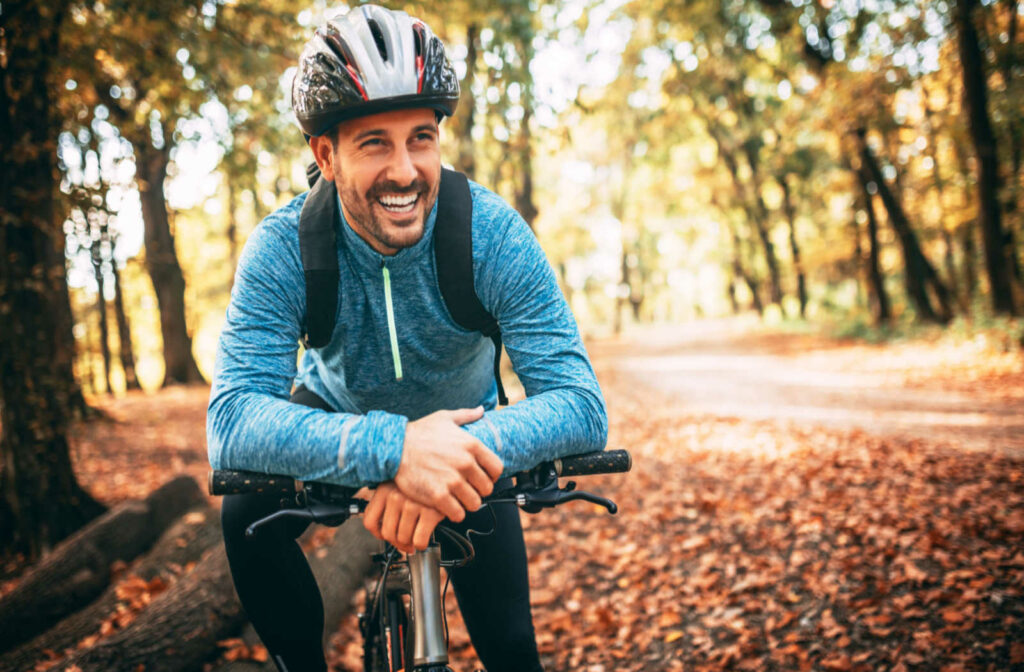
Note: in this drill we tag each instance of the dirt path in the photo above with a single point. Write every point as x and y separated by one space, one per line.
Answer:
963 394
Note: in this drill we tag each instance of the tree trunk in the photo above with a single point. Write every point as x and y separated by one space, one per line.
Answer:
183 543
858 264
738 269
467 109
753 215
124 333
524 193
79 569
798 267
1009 62
232 231
162 263
41 502
998 249
940 187
761 218
180 629
919 273
879 297
101 308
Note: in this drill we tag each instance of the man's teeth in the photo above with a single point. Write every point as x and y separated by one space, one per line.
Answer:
398 202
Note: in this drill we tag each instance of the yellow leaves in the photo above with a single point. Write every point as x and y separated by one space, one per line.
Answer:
236 649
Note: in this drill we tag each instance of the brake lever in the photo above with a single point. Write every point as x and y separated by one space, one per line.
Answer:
331 515
551 496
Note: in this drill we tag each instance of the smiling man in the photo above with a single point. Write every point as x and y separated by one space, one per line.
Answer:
397 394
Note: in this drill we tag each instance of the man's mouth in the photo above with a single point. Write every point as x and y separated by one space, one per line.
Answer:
399 204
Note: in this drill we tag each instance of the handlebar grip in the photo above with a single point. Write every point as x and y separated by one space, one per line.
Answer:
605 462
227 482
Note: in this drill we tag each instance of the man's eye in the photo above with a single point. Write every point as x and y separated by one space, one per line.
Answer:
372 142
425 137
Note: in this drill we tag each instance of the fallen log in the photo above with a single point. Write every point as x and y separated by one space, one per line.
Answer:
78 569
183 543
180 629
340 568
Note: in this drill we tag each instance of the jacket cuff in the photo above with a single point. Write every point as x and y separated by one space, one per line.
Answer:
374 447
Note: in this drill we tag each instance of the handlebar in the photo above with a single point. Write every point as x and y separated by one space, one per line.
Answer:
232 482
330 504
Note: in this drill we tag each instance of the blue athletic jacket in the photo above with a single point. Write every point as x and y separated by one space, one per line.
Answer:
380 373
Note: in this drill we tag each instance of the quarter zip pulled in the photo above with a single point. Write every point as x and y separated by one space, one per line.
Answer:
391 321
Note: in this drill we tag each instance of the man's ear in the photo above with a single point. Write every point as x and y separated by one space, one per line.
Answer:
323 154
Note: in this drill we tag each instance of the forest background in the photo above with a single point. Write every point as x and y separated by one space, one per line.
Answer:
850 163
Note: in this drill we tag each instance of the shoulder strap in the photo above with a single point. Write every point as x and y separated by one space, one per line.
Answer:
453 256
318 244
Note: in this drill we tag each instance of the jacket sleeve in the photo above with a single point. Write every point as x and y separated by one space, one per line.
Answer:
250 423
564 411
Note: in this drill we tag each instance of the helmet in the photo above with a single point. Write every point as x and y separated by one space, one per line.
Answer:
368 61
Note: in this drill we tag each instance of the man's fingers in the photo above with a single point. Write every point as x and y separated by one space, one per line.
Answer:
480 482
464 416
392 514
372 515
421 537
467 496
490 462
407 526
451 508
424 528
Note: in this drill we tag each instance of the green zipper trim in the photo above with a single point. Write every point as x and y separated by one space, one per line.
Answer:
391 323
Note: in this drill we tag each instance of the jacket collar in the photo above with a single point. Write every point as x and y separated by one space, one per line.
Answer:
369 259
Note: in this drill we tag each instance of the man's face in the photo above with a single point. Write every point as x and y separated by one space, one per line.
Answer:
387 168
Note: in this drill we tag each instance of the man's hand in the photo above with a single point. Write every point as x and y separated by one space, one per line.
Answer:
398 520
443 467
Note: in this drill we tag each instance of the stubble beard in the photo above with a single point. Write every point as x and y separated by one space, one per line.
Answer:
399 235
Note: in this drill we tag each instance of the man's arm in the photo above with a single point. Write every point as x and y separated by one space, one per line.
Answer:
251 424
564 412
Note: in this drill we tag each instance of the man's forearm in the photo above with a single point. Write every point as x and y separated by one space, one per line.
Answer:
258 432
560 422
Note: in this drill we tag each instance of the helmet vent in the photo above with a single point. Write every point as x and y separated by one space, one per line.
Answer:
378 38
419 39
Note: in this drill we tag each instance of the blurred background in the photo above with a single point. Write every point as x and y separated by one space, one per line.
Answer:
791 232
856 162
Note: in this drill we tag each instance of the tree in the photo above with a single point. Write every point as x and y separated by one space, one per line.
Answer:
42 502
151 66
998 242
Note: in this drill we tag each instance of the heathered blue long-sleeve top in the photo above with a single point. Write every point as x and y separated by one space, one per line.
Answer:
251 425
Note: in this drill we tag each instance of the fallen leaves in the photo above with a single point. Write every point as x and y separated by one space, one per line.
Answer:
740 544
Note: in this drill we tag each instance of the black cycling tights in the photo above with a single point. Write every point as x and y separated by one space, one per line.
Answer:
283 601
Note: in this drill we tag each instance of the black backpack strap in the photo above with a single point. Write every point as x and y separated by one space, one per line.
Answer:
453 256
318 244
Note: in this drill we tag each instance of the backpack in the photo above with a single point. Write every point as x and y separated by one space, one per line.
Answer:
453 257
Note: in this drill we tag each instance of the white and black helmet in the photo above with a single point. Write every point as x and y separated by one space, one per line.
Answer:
371 60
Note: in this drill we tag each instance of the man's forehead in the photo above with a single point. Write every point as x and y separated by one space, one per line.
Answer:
393 121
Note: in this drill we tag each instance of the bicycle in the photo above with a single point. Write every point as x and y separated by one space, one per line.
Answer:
404 619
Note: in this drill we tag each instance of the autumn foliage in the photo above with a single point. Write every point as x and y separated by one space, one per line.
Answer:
741 544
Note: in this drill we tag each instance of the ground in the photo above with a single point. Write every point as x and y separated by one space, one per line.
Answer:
796 503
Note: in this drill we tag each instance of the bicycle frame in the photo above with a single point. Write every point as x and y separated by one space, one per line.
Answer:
419 576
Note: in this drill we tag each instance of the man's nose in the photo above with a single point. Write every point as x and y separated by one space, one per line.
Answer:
401 168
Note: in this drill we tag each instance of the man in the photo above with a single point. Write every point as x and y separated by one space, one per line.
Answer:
369 407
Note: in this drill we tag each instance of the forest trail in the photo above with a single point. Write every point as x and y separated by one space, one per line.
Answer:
962 394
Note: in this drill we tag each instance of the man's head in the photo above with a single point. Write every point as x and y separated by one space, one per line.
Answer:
387 168
369 91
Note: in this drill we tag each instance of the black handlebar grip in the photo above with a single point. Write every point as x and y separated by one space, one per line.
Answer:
605 462
225 482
